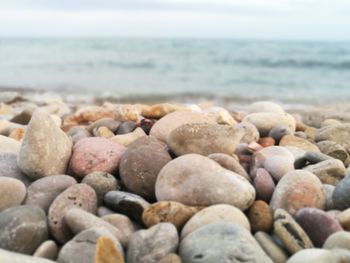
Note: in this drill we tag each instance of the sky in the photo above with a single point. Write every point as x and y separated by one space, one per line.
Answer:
324 20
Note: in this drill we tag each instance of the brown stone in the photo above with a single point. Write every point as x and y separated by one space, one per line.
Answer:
106 251
260 216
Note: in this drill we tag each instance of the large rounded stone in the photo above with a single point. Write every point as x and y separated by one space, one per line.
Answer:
339 239
162 128
204 138
95 154
221 242
12 192
76 196
45 148
251 133
9 168
22 229
215 214
168 211
265 121
140 165
296 190
317 224
316 255
265 106
42 192
196 180
150 245
102 183
83 247
341 194
7 256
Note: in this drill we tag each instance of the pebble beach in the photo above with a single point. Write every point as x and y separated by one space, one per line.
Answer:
98 181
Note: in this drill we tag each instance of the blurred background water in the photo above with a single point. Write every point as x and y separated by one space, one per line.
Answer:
314 72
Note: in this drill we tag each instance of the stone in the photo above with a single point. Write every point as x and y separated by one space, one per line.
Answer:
17 134
196 180
76 133
334 150
221 213
103 132
344 219
341 194
275 252
265 106
146 125
84 247
328 193
204 139
76 196
6 127
10 169
329 171
157 111
229 163
299 156
9 97
23 117
12 192
125 226
276 160
107 252
109 123
7 256
140 165
290 140
316 255
170 258
260 216
317 224
9 145
221 242
22 229
296 190
314 157
278 132
162 128
126 127
47 249
126 203
219 115
292 236
267 141
265 121
339 239
264 185
42 192
168 211
336 133
152 244
129 138
79 220
95 154
251 133
102 183
45 148
103 211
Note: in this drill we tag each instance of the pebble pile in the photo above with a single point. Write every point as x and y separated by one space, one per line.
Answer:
171 183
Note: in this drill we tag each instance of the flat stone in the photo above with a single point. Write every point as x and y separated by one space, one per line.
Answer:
291 234
221 242
204 139
12 192
329 171
45 148
47 249
315 157
296 190
76 196
95 154
275 252
168 211
42 192
152 244
22 229
196 180
140 165
221 213
126 203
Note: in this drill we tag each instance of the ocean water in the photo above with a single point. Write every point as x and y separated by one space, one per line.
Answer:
236 70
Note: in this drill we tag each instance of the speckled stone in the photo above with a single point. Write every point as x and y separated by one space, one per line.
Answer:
291 234
221 242
296 190
150 245
76 196
140 165
42 192
22 229
260 216
12 192
215 214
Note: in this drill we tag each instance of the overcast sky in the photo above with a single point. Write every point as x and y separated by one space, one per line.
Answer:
259 19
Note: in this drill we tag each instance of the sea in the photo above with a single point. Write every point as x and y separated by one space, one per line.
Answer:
233 70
